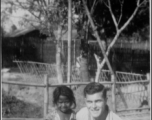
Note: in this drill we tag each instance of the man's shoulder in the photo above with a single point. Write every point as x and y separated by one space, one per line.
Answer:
114 116
82 113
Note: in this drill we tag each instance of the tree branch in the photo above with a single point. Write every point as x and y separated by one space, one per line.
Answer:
93 6
44 2
112 15
91 13
119 31
98 38
131 17
121 4
106 4
35 15
140 4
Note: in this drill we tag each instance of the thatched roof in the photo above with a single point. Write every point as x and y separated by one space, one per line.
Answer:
18 33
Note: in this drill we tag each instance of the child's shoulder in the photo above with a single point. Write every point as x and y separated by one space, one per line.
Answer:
52 114
73 115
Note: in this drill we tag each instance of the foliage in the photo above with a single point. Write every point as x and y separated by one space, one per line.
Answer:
13 107
41 14
111 18
49 14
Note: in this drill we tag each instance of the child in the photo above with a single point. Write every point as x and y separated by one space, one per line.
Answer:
64 102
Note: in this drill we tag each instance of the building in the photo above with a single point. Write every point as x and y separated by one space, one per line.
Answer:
31 45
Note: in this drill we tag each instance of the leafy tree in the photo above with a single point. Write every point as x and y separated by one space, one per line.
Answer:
48 16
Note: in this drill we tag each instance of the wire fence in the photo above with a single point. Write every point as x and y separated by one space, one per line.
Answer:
131 88
135 88
121 76
36 70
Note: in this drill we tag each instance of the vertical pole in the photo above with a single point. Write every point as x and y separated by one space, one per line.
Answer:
69 41
148 89
74 52
148 76
46 95
1 35
113 93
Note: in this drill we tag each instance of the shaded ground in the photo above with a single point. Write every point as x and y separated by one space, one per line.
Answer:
135 115
14 108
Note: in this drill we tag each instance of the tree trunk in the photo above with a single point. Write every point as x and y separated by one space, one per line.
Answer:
69 40
84 74
58 57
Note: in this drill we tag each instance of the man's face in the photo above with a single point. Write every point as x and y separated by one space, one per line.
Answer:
96 104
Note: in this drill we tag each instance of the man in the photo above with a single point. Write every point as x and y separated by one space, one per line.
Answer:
96 104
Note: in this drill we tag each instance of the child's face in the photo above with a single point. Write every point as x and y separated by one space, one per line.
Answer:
63 104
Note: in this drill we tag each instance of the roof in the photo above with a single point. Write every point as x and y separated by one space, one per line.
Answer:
18 33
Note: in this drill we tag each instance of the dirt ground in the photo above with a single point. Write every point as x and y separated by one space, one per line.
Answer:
35 95
136 116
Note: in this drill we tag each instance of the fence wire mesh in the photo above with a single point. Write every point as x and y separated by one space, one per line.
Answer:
105 75
34 71
134 87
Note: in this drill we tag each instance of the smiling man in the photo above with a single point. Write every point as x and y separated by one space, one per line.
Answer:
96 104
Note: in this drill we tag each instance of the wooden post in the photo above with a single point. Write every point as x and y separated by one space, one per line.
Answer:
148 76
46 95
113 93
148 88
74 50
1 35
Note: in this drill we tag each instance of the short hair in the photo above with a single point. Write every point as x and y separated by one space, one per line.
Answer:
64 91
93 88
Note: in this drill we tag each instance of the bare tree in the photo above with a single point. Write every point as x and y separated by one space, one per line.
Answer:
119 28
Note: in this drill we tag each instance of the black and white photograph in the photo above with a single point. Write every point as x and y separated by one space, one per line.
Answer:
75 59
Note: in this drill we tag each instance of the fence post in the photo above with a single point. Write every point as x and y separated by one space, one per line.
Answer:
113 93
46 95
148 76
148 88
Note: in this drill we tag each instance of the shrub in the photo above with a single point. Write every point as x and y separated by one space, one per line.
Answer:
13 107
